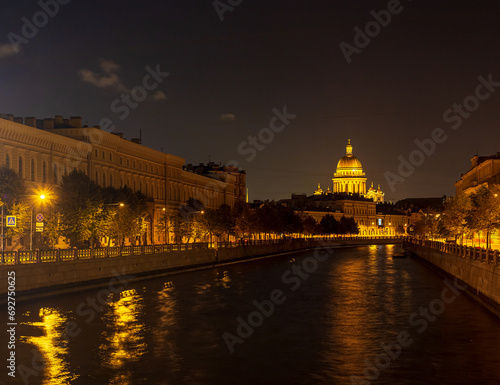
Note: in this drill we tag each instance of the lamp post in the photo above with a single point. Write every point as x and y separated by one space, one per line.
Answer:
41 197
166 226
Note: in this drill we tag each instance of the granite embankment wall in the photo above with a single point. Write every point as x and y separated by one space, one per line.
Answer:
36 278
477 268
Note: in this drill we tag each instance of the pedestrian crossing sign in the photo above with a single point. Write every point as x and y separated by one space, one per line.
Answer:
11 221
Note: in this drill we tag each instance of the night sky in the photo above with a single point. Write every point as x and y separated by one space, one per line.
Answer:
228 78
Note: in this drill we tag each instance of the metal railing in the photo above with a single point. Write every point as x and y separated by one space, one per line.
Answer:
22 257
488 256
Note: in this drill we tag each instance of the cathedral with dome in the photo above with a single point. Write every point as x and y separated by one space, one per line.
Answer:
349 197
350 179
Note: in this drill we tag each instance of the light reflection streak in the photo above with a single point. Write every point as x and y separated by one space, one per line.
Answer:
167 327
52 347
125 343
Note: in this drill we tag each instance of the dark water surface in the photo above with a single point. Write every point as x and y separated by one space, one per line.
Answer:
326 326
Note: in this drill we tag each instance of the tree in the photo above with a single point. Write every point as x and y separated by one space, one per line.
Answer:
126 213
267 219
310 226
329 225
218 222
52 230
14 200
484 214
78 196
244 220
348 225
429 225
12 188
22 212
456 212
289 221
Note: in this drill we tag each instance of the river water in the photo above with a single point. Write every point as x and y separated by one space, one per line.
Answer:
350 316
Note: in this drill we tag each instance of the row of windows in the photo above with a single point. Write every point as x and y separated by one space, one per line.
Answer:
32 169
142 166
177 193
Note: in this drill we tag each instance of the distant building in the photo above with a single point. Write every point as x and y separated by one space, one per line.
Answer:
349 178
484 171
41 151
350 198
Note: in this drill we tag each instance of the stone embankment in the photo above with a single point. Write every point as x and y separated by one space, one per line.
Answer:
478 268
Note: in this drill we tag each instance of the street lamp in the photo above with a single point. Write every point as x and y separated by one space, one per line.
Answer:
41 197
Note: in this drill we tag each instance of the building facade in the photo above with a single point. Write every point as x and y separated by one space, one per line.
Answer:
42 151
485 170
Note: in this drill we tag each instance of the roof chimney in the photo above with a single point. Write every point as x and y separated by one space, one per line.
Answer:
7 116
30 121
48 123
75 121
19 119
58 121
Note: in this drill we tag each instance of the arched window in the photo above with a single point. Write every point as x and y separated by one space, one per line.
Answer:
111 180
7 161
21 167
44 172
32 170
103 180
55 173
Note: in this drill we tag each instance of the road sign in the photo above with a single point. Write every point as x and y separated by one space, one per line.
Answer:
11 221
39 217
39 227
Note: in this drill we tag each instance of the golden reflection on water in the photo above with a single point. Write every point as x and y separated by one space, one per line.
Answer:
223 280
370 291
166 327
124 342
52 347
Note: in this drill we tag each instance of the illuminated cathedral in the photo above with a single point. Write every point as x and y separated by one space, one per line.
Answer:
350 179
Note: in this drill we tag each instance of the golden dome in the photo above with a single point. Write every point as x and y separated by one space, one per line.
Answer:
349 161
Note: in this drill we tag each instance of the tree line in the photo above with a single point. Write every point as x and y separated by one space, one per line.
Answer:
84 213
193 222
464 216
88 215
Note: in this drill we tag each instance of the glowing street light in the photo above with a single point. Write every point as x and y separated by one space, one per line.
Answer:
39 197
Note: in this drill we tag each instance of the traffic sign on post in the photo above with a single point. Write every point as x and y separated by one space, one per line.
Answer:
39 217
11 221
39 227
